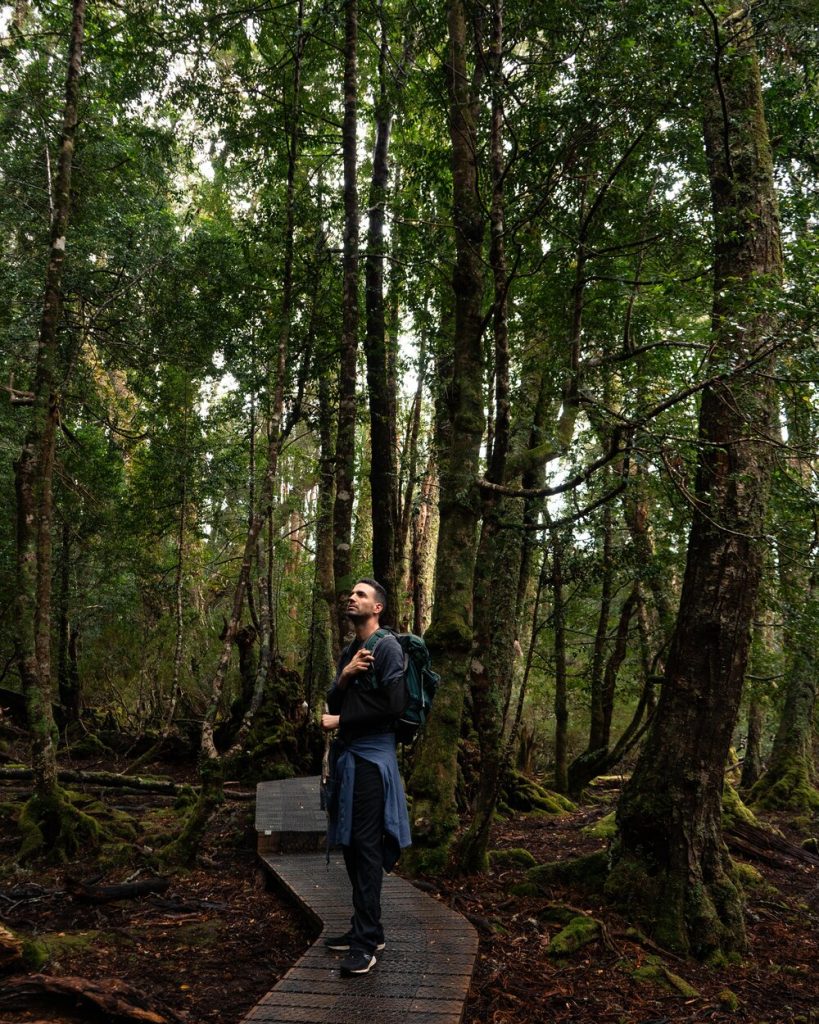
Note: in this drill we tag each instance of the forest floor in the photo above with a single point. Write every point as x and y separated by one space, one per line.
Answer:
516 982
217 939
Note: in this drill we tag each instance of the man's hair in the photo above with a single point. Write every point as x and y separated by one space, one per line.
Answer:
380 592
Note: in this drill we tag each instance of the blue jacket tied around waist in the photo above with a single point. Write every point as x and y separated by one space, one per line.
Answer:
379 750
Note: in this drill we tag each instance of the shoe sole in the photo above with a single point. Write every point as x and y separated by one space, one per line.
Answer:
346 949
365 970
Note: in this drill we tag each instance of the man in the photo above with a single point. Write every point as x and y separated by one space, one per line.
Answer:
370 821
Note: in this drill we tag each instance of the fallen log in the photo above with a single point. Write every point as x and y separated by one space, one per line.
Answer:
119 1002
769 847
111 780
92 893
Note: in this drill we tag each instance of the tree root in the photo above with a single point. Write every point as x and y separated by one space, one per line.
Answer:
786 786
55 827
117 1001
519 793
182 850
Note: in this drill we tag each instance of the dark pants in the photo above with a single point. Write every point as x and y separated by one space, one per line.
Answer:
364 857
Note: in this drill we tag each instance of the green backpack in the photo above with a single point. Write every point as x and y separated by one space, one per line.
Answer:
421 682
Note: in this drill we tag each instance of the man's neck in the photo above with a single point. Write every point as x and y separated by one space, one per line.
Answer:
364 630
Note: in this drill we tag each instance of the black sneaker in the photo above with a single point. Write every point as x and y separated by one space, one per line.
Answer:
341 943
357 962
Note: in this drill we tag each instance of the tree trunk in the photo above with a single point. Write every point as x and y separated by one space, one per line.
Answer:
345 432
325 642
598 734
499 550
68 677
596 760
276 426
34 474
381 383
561 706
787 783
670 864
407 512
212 764
449 636
752 762
424 529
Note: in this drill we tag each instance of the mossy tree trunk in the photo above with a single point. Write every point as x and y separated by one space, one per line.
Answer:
752 762
499 550
787 782
561 704
449 636
424 533
670 866
68 675
183 849
34 472
599 725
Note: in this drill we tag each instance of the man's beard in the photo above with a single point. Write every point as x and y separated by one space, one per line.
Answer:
357 617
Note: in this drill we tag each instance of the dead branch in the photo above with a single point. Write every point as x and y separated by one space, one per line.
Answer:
93 893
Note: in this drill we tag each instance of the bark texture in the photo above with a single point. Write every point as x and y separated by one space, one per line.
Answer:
670 865
449 636
345 426
380 368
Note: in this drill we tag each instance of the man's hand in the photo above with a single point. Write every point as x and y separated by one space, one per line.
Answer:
360 662
329 722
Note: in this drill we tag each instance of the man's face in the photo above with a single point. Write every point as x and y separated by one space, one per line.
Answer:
362 603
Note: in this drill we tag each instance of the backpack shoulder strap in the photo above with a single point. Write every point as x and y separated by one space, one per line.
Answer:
373 639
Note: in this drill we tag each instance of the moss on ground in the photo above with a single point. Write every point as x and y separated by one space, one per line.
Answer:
556 913
654 972
748 876
59 944
588 872
604 828
512 858
579 932
729 1000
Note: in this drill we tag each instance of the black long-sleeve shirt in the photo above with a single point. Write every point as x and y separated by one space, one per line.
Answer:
372 701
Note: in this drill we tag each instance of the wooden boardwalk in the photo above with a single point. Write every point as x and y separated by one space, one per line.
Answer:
423 975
